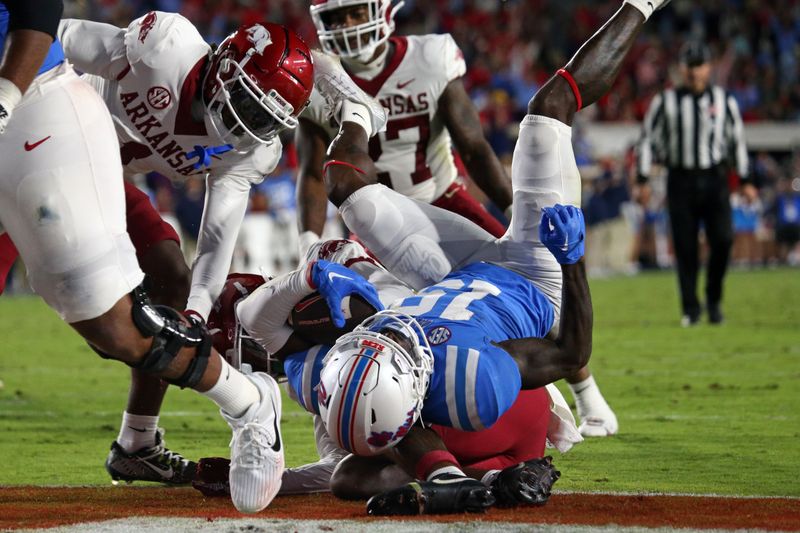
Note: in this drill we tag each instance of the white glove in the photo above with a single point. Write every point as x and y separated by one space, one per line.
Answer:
647 7
305 241
336 87
10 96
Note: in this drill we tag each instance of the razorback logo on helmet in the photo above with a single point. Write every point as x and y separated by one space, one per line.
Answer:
147 24
367 343
259 36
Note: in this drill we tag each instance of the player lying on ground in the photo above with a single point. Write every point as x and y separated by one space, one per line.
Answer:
476 277
518 436
62 203
418 81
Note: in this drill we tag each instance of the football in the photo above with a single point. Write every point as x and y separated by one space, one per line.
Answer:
311 317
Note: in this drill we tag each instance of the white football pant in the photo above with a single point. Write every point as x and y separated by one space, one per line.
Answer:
421 243
62 199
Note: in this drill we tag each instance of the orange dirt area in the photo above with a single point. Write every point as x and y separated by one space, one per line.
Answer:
29 507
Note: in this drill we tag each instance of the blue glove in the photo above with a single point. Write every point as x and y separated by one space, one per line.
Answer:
335 281
563 232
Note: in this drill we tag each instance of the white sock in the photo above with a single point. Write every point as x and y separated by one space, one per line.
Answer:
587 396
233 392
137 432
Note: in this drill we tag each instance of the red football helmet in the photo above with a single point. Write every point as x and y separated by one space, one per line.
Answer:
259 80
227 334
360 41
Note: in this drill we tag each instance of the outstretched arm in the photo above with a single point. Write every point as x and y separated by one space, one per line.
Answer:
463 123
312 200
593 68
348 166
542 361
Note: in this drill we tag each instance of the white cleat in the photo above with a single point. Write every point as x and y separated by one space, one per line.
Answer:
335 86
257 461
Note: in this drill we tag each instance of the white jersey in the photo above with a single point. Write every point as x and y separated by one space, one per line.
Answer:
149 74
414 155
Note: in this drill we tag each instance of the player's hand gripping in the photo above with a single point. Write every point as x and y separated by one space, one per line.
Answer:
563 232
335 281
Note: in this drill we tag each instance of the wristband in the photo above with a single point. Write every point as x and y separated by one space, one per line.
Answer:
358 113
333 162
574 86
431 458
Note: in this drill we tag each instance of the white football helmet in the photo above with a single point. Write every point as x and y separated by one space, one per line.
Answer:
350 42
372 385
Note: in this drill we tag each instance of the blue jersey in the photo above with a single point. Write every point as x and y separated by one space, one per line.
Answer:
474 382
55 56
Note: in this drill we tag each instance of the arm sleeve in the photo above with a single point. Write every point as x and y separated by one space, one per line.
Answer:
93 47
38 15
225 206
263 314
650 135
736 137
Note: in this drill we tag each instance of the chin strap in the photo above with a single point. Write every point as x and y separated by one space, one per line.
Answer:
204 153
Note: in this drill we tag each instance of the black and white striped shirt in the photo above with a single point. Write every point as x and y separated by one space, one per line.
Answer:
688 131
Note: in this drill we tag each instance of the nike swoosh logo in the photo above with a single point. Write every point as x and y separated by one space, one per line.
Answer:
277 446
166 472
334 275
29 146
404 84
137 429
303 305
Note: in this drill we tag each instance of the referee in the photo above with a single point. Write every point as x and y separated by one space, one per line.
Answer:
696 131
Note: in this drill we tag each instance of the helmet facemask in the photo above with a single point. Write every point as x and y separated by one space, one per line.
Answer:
410 356
241 113
360 41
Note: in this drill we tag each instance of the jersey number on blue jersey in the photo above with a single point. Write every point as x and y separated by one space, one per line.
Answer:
449 299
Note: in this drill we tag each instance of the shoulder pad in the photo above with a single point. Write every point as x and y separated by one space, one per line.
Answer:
150 36
442 55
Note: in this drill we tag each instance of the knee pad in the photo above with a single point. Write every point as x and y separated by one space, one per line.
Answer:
170 334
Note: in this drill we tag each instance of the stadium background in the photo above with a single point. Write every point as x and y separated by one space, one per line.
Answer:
511 48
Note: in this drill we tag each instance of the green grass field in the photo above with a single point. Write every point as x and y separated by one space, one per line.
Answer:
704 410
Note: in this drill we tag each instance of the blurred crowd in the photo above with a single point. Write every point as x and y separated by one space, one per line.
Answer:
511 48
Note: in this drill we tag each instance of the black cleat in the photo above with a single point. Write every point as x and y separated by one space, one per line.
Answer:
447 494
527 483
156 463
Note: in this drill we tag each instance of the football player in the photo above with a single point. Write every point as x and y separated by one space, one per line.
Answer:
62 203
485 317
418 80
518 436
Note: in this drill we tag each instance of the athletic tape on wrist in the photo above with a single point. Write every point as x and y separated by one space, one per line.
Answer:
427 461
575 91
10 95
